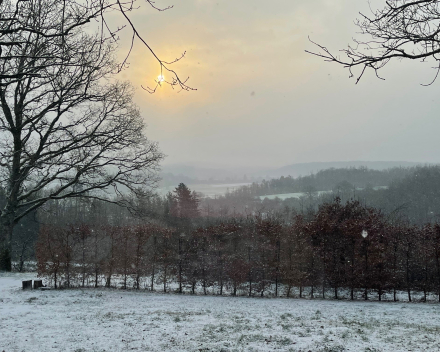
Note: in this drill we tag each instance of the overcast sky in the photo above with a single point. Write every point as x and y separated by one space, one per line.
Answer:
262 101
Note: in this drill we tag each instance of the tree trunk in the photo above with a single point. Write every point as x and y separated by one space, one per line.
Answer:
221 281
437 262
152 279
96 276
165 279
407 274
180 265
5 245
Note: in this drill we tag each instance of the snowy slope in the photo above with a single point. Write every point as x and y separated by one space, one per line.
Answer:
115 320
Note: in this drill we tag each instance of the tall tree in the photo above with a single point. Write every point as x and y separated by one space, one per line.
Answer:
67 128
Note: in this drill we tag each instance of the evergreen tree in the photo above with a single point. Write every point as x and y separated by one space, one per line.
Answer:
187 202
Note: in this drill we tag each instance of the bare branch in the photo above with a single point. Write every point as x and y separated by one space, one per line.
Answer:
401 30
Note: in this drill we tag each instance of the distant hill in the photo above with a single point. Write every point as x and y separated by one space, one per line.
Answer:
342 179
193 174
305 169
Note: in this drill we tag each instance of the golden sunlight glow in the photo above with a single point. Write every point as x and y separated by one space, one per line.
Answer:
160 78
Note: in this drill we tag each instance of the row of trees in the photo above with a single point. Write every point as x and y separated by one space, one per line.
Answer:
342 248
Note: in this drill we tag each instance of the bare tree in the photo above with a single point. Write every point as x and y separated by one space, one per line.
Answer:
402 29
67 128
68 16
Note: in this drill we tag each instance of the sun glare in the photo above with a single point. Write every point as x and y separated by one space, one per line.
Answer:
160 78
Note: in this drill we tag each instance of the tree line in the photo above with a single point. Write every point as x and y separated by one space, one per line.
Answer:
413 193
342 249
327 180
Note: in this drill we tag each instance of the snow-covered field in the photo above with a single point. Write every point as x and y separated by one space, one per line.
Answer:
114 320
284 196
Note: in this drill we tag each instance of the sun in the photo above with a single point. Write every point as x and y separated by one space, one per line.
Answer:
160 78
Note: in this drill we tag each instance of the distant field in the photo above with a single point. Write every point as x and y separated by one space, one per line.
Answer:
284 196
113 320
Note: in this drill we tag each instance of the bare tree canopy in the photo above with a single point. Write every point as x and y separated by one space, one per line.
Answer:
74 14
67 127
402 29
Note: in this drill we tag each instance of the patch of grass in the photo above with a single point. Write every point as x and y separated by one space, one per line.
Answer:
345 334
286 327
284 341
335 348
250 338
286 316
113 316
317 315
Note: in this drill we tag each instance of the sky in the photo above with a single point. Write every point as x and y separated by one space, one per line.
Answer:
262 101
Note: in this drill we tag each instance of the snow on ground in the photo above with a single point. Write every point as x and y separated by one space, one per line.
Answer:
81 320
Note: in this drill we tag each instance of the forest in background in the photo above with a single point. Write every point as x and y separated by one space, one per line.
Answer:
412 195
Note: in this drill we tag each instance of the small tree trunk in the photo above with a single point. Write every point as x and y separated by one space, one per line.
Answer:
407 274
55 278
165 279
138 277
152 279
5 246
96 276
